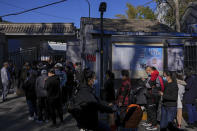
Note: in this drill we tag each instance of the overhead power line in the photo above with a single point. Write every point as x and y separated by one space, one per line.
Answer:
18 13
148 3
41 13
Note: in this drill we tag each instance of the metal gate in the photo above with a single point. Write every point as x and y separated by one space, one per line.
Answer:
27 55
190 55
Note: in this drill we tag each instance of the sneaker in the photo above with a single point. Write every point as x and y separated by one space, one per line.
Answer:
30 118
147 124
151 128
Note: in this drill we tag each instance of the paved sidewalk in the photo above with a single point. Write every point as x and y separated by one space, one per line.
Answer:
14 117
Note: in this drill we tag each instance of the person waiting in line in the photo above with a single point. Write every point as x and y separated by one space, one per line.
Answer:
86 106
124 90
52 85
69 82
181 85
41 93
151 95
110 95
169 107
123 95
30 93
190 96
5 80
109 87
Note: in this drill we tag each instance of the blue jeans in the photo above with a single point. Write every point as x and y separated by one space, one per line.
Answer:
192 113
168 114
5 90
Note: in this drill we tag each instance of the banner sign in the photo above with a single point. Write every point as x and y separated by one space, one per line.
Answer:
175 59
136 57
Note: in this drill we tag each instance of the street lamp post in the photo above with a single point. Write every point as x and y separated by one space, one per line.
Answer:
102 9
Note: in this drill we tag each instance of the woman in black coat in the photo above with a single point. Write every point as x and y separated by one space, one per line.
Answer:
170 96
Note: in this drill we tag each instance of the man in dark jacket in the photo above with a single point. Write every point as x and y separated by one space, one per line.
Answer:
190 96
52 85
41 94
88 105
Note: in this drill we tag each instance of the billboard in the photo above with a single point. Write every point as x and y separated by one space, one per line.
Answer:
136 58
175 59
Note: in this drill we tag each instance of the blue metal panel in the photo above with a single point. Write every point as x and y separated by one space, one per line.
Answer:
173 34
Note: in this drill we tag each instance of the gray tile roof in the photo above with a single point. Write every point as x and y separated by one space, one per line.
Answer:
37 28
126 25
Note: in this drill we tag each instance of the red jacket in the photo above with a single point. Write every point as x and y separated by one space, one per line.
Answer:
124 93
154 75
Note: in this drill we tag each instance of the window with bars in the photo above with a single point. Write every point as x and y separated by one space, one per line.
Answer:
190 55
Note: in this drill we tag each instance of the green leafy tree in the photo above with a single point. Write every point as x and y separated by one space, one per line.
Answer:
139 12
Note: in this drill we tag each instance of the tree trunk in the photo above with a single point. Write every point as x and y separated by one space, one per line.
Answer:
177 16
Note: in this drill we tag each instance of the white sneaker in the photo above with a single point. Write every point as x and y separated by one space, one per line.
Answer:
151 128
30 118
147 124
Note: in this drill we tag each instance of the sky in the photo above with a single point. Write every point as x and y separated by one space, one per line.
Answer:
69 11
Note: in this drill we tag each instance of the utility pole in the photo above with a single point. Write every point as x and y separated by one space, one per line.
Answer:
88 7
102 9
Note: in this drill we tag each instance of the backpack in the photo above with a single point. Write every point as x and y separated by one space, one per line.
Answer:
133 116
130 116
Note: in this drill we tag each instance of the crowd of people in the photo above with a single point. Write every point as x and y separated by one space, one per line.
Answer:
52 88
46 86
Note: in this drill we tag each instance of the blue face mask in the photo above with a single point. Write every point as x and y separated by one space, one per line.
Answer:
164 78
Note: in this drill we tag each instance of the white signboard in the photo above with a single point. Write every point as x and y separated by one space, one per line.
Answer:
58 46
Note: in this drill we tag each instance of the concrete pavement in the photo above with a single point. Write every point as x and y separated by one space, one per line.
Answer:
14 117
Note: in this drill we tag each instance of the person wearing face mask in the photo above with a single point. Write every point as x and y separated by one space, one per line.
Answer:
169 107
151 123
86 106
181 85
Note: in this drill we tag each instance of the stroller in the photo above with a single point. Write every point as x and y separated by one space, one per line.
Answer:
128 118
